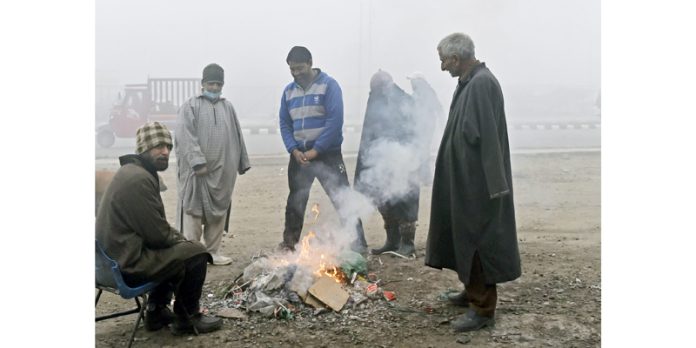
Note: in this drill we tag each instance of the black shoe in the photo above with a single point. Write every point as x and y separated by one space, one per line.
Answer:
471 322
407 250
359 245
459 299
407 231
392 243
387 247
197 324
359 248
284 248
157 317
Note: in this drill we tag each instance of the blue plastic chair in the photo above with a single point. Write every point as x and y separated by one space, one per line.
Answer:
109 278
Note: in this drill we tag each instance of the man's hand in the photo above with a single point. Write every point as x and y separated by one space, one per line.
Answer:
311 154
300 157
200 170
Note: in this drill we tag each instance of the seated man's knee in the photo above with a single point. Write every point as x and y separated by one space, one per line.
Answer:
198 261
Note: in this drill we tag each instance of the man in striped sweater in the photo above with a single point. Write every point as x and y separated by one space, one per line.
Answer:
311 124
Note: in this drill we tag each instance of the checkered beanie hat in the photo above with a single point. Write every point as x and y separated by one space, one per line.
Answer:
150 135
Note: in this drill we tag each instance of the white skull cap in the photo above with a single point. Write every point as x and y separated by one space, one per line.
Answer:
415 75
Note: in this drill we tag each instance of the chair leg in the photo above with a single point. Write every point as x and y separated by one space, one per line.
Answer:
98 295
118 314
140 316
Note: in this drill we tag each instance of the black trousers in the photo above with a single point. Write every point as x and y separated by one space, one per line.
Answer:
186 284
405 209
330 169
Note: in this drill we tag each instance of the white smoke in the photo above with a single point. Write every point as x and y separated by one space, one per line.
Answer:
392 169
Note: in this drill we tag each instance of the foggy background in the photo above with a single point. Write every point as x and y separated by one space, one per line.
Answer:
56 44
545 53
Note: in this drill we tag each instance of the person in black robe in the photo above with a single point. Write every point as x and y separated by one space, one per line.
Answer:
472 221
385 171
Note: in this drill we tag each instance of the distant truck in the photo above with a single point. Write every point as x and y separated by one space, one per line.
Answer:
157 100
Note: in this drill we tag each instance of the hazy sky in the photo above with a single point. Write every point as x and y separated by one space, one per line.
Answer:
529 45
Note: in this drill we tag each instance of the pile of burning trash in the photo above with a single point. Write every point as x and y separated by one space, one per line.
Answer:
316 277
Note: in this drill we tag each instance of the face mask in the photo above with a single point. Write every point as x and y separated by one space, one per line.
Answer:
211 95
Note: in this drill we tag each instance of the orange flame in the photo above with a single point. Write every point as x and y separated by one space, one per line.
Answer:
323 268
304 253
315 210
331 271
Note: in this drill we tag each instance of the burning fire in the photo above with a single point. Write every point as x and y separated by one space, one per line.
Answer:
313 256
304 253
324 266
332 271
315 210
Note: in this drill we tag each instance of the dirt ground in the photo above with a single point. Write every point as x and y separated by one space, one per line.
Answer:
555 303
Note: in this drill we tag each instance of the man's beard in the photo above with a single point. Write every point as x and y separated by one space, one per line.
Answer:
161 163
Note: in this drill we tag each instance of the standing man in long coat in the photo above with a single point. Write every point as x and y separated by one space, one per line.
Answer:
210 152
472 221
393 188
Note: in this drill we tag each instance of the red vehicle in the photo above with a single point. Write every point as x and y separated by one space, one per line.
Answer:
157 100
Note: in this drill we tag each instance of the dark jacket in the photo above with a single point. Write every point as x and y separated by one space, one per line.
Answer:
472 201
389 117
132 228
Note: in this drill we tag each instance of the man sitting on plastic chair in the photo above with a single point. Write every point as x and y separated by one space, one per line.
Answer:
133 230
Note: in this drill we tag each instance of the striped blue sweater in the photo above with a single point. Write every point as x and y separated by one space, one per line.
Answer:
312 118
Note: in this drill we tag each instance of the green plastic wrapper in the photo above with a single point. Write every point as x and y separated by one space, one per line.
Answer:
352 262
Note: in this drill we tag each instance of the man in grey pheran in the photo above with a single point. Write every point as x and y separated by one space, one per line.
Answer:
472 221
210 152
389 120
